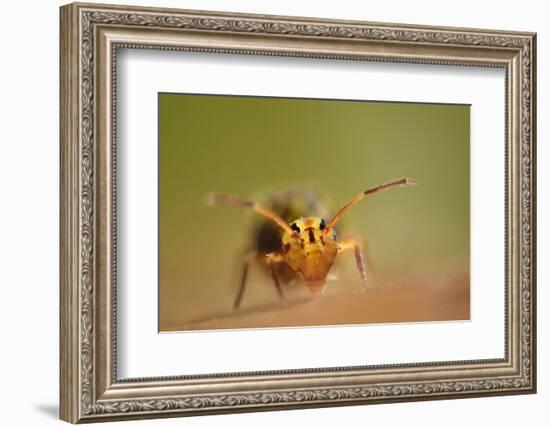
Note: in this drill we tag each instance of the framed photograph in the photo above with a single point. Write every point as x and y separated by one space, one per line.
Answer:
266 212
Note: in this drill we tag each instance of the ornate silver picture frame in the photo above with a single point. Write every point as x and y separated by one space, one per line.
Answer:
91 390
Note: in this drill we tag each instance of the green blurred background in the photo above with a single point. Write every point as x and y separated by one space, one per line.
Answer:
417 238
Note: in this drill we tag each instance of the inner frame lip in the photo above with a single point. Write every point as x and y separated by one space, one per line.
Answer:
500 361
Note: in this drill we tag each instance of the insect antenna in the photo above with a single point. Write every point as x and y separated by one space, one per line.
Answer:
227 199
398 182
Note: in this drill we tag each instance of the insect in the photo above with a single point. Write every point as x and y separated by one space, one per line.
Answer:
304 247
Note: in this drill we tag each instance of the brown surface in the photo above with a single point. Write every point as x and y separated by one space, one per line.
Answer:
418 299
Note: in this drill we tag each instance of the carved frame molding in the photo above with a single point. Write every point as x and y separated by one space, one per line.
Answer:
90 37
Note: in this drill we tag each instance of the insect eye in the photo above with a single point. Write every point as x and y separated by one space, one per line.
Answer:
295 227
323 225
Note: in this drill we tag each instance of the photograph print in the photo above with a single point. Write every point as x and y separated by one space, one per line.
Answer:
292 212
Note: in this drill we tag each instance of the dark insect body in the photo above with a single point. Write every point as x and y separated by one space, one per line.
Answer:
291 244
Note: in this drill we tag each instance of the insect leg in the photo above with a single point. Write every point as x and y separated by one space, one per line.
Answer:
271 259
348 244
244 274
